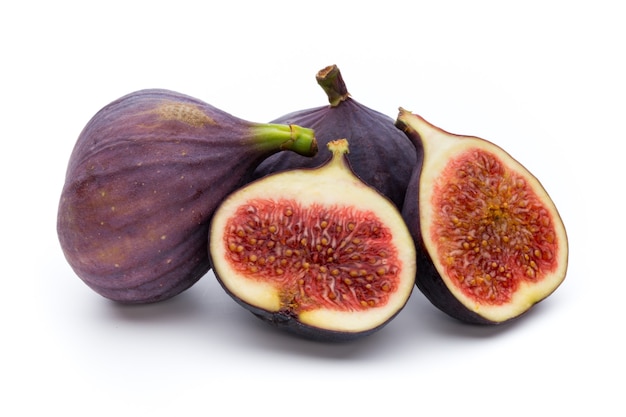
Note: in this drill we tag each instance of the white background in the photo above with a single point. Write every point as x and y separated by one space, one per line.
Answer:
543 79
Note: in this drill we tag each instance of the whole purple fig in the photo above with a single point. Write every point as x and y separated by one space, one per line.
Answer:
144 178
381 155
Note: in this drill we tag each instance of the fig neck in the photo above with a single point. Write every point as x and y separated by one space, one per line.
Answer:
415 127
338 161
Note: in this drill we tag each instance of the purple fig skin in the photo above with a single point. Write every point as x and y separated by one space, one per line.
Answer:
144 178
381 154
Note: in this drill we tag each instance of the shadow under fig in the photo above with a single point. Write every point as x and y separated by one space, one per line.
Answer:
176 308
251 330
440 324
207 309
187 306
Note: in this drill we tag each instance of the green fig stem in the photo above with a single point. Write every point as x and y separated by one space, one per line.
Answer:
332 83
273 136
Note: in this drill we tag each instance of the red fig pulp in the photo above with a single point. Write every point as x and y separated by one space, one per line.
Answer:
142 183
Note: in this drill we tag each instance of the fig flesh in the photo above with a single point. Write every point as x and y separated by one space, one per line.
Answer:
380 154
143 180
314 251
489 239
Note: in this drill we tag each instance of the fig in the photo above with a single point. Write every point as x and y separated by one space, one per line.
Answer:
490 241
314 251
142 182
380 154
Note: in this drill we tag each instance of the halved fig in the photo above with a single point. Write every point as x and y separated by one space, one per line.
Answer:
315 251
490 241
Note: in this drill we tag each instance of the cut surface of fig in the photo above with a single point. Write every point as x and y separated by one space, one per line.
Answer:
315 250
380 155
143 180
491 242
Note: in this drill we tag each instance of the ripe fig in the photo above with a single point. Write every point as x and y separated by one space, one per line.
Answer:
143 180
489 239
314 251
380 154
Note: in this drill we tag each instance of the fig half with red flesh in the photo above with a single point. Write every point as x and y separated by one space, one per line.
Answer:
489 238
315 251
